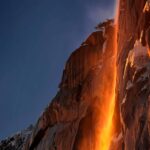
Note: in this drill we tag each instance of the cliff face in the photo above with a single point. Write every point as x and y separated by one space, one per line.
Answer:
70 121
76 114
133 65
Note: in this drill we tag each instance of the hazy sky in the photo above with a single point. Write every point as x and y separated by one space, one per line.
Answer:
36 38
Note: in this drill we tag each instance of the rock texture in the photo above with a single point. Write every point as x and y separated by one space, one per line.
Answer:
68 123
16 141
133 89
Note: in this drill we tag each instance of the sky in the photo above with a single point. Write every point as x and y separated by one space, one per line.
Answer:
36 39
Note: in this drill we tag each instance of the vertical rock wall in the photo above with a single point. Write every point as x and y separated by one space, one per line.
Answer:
70 121
133 88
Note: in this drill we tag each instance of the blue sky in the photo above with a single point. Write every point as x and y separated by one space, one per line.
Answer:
36 38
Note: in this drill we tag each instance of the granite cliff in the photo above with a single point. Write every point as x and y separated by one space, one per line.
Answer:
133 82
69 122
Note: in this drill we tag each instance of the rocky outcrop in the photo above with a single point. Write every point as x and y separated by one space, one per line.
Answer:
16 141
69 121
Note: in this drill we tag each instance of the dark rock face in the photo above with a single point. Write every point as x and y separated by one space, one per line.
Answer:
68 122
133 87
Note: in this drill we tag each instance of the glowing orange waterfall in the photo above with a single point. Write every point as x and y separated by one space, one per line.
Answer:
106 129
98 126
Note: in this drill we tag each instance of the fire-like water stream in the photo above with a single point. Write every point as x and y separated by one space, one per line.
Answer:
97 128
106 130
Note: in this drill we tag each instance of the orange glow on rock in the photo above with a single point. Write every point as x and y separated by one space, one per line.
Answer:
97 127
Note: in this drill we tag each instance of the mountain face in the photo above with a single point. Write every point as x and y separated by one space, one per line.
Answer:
16 141
74 118
133 87
68 122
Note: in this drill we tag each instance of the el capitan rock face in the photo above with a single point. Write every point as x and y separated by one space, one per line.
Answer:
70 121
